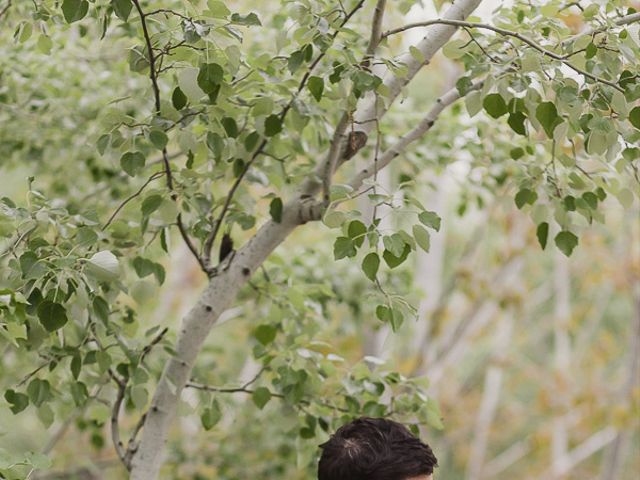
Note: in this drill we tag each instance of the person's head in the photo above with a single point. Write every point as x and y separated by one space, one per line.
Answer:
375 449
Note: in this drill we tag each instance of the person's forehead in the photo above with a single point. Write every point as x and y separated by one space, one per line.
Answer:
421 477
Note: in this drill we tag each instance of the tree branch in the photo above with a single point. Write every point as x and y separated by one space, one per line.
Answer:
507 33
227 203
376 27
131 197
152 343
115 414
370 112
165 156
423 127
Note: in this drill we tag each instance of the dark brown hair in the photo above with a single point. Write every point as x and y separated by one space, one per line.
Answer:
374 449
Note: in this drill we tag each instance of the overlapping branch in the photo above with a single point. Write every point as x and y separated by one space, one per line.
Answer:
227 203
509 33
165 156
417 132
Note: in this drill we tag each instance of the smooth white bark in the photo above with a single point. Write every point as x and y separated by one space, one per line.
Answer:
490 398
562 359
215 299
434 39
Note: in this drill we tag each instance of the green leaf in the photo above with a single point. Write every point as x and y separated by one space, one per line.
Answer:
265 334
37 460
103 143
251 141
422 237
634 117
524 197
86 236
215 144
18 401
272 125
44 44
158 139
591 199
79 393
132 163
74 10
247 20
211 415
230 126
122 8
275 209
150 204
547 115
357 231
262 106
52 315
138 61
430 219
394 243
464 85
334 218
178 98
566 241
103 266
516 122
473 102
495 105
39 391
101 309
238 167
261 397
542 232
392 260
343 247
218 9
370 265
209 77
295 60
76 365
454 49
390 315
316 87
143 266
516 153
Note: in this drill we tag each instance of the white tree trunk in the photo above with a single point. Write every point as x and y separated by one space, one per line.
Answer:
562 358
490 398
216 298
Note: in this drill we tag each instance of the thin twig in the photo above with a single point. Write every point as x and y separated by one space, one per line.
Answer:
131 197
155 341
165 156
508 33
249 391
5 9
115 413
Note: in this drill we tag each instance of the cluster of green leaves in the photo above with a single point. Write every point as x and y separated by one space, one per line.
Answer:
392 248
590 128
60 306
